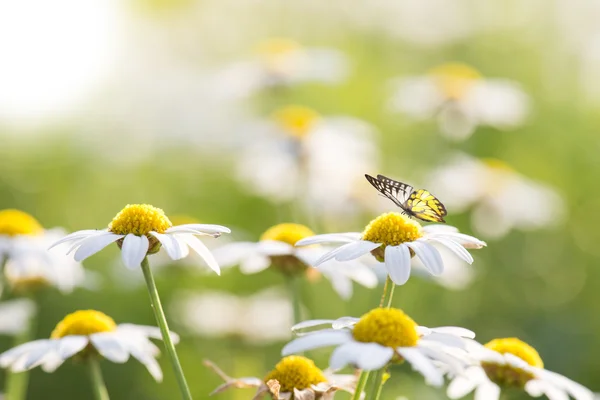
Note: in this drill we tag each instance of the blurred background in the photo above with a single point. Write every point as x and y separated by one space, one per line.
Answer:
252 113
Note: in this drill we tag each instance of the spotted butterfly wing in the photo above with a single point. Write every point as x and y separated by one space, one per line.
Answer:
426 206
397 192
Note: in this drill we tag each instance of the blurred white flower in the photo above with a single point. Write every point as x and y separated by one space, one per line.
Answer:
276 249
28 264
461 99
511 363
501 198
301 155
15 315
263 317
281 62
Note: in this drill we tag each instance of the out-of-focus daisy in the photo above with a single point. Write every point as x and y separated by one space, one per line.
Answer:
383 336
28 264
87 334
264 317
141 230
281 62
275 249
493 189
512 363
461 99
393 239
294 377
15 316
300 154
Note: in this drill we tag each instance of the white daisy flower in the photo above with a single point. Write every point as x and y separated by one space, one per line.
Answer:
276 249
394 239
510 362
28 265
491 188
461 99
301 155
84 334
281 62
141 230
383 336
294 377
15 316
264 317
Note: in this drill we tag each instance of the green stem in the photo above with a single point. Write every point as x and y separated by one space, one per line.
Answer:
17 382
164 330
294 290
377 385
360 386
388 293
100 392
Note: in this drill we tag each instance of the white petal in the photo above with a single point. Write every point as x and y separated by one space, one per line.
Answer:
170 244
431 258
77 236
423 365
341 284
351 248
202 250
275 248
439 228
68 346
10 356
344 322
316 340
466 241
397 263
369 356
110 347
455 330
446 339
94 244
51 362
140 353
454 247
487 391
254 264
232 254
312 323
577 391
466 383
149 331
330 238
537 388
200 228
134 250
35 357
356 249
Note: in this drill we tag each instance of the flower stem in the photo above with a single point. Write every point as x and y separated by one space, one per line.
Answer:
388 293
17 382
164 330
360 386
378 382
294 290
100 392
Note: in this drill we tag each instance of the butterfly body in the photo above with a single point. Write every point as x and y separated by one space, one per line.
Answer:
415 203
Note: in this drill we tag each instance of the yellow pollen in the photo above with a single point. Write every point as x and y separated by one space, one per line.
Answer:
287 233
454 79
392 229
83 322
296 121
518 348
389 327
139 219
15 222
296 372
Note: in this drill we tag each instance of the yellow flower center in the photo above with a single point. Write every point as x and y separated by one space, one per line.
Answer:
15 222
391 229
288 233
454 79
296 372
139 219
296 121
28 284
277 47
508 375
83 322
389 327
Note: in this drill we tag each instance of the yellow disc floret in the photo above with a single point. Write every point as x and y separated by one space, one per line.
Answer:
454 79
83 322
15 222
392 229
389 327
297 121
296 372
288 233
507 374
139 219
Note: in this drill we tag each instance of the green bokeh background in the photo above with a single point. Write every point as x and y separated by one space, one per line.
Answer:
540 286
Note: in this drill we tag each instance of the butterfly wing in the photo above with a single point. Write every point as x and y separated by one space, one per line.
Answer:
426 206
396 191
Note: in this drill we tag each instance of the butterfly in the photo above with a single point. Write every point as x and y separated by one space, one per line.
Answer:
417 203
